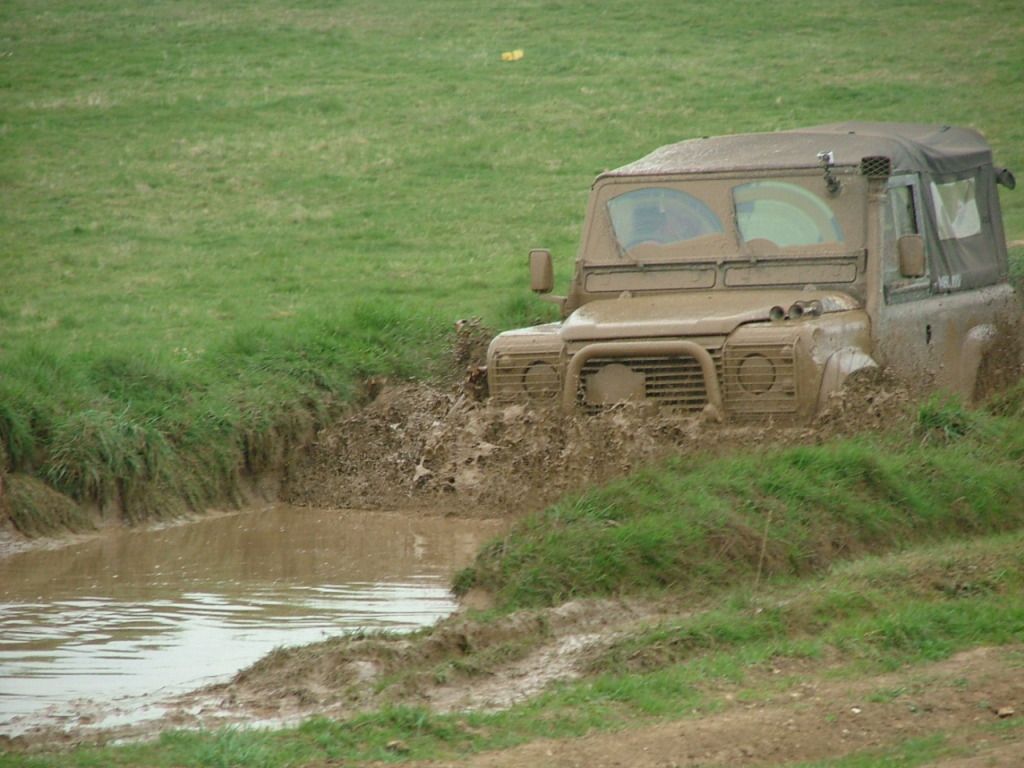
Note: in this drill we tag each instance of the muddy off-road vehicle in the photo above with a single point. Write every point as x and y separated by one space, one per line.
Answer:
749 276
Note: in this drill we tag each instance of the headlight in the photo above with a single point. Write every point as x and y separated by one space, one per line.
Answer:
756 374
541 380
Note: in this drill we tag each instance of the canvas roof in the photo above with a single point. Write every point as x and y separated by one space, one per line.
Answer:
934 149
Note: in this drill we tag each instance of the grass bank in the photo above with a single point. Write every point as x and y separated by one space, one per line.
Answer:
152 432
696 524
215 220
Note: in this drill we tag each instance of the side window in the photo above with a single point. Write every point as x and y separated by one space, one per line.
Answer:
902 217
964 230
956 209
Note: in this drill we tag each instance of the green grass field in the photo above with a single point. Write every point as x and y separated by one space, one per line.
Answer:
214 219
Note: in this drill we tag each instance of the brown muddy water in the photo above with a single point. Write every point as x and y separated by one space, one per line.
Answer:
95 633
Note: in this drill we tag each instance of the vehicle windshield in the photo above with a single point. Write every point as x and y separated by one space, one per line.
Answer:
660 215
724 216
784 214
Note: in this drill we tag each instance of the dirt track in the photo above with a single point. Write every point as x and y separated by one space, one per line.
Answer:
817 718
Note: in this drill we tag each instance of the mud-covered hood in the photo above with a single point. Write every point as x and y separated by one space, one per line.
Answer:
706 313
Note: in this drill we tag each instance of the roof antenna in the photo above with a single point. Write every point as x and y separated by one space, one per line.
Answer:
826 160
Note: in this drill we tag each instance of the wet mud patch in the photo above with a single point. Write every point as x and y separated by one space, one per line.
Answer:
870 400
460 664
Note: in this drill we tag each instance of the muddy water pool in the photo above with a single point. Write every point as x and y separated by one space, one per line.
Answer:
107 625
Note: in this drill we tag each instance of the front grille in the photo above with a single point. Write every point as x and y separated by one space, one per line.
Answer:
755 379
759 379
675 381
532 375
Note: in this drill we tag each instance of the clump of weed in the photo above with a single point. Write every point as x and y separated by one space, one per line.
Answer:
943 419
1016 259
1009 403
3 476
16 432
464 580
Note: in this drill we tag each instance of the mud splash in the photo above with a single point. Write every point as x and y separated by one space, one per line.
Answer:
415 444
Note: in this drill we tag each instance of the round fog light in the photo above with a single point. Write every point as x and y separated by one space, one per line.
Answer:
756 374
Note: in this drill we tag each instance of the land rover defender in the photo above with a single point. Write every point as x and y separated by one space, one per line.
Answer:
748 276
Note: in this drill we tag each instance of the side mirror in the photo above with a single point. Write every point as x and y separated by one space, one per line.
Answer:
1005 177
542 274
911 251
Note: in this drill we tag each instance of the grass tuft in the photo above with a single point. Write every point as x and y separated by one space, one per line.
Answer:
943 419
107 458
1009 403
